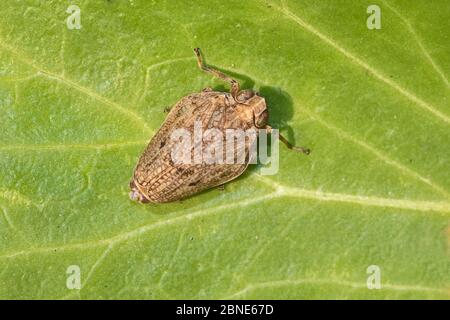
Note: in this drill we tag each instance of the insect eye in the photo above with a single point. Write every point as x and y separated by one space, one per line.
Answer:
245 95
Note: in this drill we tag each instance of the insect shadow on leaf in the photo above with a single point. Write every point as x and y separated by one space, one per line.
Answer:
281 109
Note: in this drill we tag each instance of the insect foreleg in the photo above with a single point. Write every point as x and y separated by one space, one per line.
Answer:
288 144
235 88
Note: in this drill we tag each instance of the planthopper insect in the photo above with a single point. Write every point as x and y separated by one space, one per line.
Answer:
160 176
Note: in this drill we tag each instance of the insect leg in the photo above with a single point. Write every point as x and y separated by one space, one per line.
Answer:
235 88
288 144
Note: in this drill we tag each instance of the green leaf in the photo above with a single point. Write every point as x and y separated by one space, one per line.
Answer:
77 107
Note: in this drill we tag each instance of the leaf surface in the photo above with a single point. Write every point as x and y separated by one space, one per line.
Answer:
77 108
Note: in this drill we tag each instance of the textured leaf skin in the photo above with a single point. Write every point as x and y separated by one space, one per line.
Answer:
77 107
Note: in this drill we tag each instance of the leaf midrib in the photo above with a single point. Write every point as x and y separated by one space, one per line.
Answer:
280 191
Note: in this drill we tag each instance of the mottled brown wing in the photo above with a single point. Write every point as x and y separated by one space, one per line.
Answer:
162 180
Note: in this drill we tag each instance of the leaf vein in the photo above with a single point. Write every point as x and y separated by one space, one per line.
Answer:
70 83
281 191
419 43
357 285
377 74
69 146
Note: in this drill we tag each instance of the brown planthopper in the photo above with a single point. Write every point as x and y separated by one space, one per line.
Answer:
159 178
